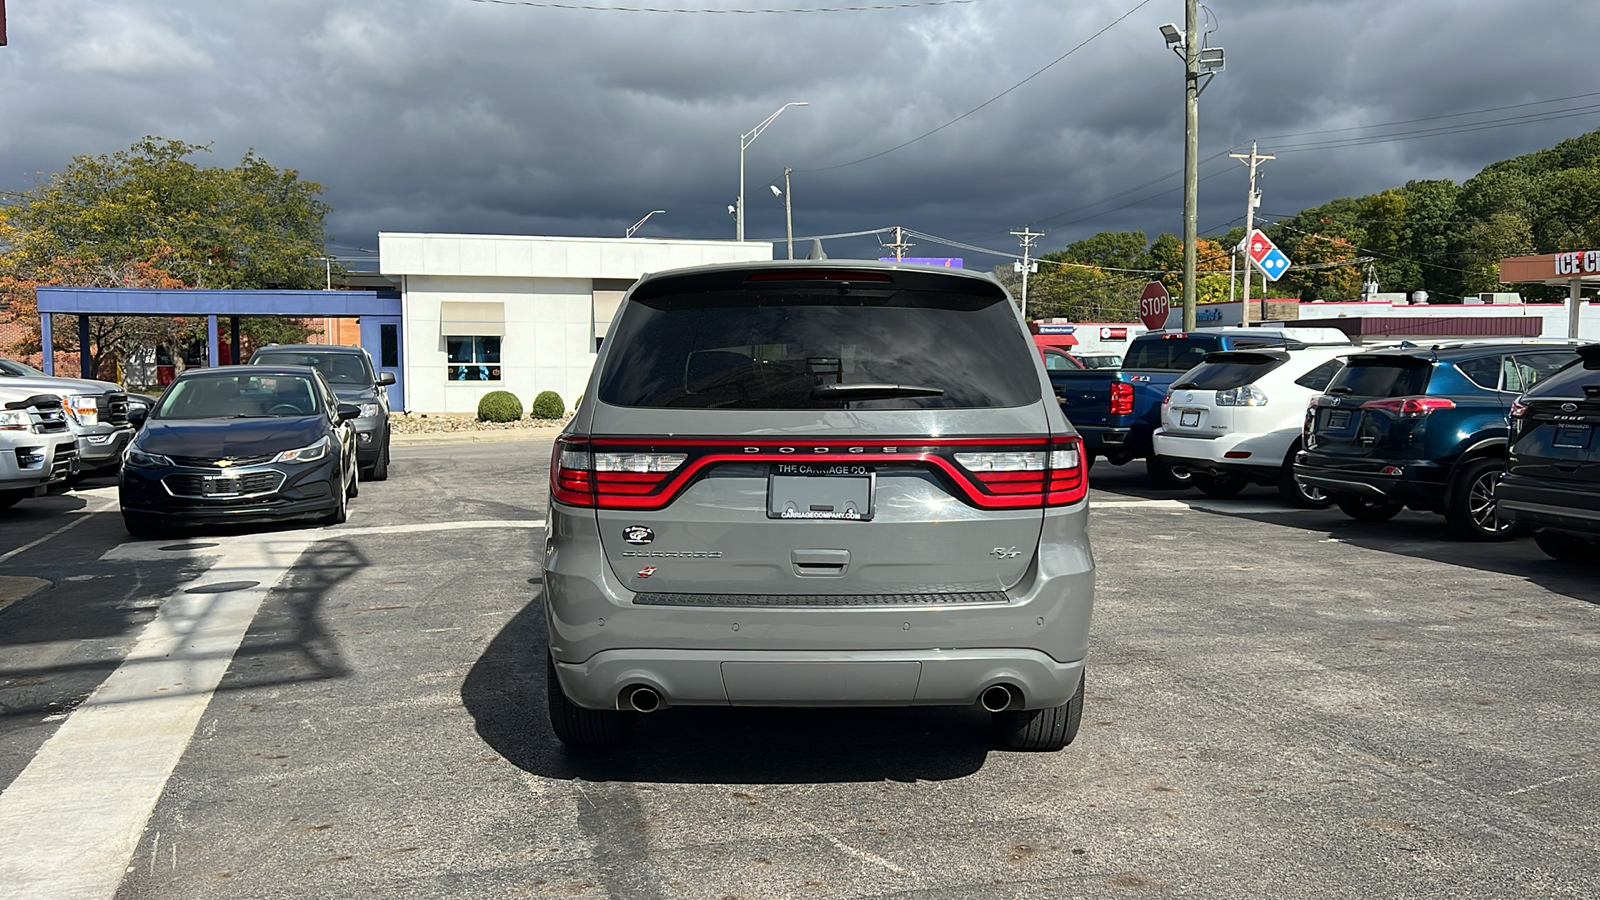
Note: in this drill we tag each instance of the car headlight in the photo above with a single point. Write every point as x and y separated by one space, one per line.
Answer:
15 420
84 408
139 459
368 410
311 453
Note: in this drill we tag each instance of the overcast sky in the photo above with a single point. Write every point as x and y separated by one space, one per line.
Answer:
496 117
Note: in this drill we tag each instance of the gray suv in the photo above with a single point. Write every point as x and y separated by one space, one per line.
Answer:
349 371
818 484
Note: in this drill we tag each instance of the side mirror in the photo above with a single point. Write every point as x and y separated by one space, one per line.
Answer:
385 378
137 413
348 411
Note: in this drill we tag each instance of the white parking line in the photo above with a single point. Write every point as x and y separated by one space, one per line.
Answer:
71 821
1217 506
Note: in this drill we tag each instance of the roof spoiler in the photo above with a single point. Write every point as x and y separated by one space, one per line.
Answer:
1590 354
37 401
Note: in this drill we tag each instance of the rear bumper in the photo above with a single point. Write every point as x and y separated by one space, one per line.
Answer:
1560 506
1264 460
1110 439
819 678
1418 482
879 655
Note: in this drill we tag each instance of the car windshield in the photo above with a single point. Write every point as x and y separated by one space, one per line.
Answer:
337 368
239 396
17 370
1223 371
1175 354
798 348
1382 376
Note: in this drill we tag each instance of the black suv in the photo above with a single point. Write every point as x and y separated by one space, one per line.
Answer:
1424 428
349 371
1552 480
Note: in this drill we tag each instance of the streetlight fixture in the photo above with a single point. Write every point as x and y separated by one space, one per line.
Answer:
1196 60
745 140
788 208
635 226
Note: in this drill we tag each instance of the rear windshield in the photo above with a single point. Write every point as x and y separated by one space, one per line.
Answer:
337 368
781 348
1169 354
1233 370
1382 377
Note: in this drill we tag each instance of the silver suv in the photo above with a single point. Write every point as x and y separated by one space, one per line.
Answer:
97 413
818 484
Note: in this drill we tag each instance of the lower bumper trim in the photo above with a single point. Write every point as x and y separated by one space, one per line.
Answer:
781 601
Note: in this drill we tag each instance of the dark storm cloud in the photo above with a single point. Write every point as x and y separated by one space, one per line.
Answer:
451 115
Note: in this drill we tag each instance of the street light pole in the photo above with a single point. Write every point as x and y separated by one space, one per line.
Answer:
1191 155
745 140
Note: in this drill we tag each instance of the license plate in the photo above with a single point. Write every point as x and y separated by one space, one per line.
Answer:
1189 418
1572 436
214 485
819 491
1339 418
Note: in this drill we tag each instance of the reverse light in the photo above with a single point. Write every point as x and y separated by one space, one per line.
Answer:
84 408
1121 398
1248 395
310 453
1410 407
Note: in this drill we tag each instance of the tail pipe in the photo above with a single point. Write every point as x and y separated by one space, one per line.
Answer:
641 698
999 698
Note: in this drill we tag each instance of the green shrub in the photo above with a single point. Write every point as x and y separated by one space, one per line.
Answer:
547 405
499 406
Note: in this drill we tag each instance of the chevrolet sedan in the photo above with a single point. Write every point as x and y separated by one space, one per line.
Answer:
241 444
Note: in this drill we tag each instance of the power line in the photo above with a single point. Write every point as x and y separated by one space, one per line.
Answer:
1471 112
591 7
1531 118
1008 90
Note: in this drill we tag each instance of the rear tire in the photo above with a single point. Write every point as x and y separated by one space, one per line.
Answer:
1565 547
1220 485
577 726
1303 496
1040 729
1366 509
1167 478
1470 506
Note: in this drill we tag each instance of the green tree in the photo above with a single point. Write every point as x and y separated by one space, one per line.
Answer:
1486 243
250 226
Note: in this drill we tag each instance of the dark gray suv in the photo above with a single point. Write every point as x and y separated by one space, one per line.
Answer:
818 484
349 371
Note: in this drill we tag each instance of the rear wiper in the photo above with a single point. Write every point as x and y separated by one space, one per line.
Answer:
872 391
1340 390
1183 385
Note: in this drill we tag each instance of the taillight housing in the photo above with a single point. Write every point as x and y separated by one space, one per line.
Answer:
1518 417
1246 395
1121 398
646 473
1410 407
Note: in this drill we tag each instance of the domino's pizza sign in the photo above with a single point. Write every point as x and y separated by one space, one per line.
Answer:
1268 258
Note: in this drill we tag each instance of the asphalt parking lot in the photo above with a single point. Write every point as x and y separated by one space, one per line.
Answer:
1280 703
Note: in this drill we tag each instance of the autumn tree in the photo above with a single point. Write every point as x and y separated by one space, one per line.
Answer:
149 216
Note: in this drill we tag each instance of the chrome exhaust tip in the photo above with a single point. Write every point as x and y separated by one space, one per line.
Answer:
999 698
642 699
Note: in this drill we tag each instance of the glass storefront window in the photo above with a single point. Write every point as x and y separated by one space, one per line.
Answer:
473 357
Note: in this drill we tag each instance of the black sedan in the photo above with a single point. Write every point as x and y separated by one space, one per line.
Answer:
241 444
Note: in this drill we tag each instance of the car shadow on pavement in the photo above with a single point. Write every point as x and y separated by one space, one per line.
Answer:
287 642
505 693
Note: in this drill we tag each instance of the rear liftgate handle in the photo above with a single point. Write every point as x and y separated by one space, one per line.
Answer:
812 563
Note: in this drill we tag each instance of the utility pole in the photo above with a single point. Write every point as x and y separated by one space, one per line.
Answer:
1191 155
1026 265
788 211
1254 200
900 246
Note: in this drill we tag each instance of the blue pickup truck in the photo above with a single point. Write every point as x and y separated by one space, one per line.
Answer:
1117 410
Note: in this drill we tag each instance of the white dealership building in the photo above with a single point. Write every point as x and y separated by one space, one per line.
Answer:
519 313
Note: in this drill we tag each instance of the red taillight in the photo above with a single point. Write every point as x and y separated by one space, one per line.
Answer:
1410 407
1121 398
1518 409
649 473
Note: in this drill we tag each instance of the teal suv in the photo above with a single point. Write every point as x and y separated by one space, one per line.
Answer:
1423 428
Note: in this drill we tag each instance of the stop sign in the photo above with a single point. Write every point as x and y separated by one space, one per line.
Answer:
1153 305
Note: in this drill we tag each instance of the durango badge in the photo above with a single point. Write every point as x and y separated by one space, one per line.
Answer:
638 534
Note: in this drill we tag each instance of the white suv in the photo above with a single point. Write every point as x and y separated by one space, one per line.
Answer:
38 450
1235 419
